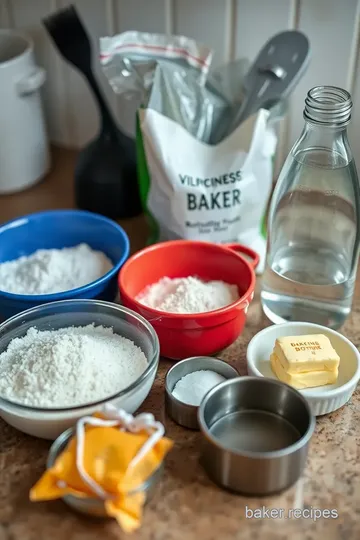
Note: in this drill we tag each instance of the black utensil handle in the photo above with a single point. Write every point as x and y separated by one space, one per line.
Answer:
107 121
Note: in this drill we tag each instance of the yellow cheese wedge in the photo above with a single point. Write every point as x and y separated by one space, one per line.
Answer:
301 354
301 380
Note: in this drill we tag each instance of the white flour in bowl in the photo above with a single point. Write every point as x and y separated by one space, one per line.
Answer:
188 295
68 367
49 271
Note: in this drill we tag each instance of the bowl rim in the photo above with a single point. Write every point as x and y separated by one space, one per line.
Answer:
310 393
153 363
29 46
241 302
68 294
294 447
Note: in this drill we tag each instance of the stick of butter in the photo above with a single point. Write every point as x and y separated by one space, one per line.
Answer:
300 354
307 379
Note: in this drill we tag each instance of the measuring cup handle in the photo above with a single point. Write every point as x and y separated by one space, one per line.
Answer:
244 250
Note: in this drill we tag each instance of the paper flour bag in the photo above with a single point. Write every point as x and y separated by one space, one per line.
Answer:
191 187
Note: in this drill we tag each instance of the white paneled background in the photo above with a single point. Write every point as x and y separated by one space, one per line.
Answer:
233 28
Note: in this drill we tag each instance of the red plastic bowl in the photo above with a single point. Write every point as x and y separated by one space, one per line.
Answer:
198 334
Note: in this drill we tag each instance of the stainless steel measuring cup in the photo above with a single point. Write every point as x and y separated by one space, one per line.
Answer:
183 413
256 433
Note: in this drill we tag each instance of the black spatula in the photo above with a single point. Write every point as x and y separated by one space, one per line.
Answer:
105 174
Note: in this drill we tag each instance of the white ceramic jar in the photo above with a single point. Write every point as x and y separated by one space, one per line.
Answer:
24 151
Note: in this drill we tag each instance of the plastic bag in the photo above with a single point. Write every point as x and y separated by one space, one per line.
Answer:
191 185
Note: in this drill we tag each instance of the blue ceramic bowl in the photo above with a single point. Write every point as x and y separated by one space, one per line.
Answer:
57 229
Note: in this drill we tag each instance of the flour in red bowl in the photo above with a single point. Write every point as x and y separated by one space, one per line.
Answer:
188 295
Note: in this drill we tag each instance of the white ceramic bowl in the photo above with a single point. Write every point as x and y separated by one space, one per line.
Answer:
49 423
323 399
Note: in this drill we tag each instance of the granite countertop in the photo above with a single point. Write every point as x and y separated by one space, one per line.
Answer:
186 504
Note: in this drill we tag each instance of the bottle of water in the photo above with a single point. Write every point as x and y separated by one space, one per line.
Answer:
313 224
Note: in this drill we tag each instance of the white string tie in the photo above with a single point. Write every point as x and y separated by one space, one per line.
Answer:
125 422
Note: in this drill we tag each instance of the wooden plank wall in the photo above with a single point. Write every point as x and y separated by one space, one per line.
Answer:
233 28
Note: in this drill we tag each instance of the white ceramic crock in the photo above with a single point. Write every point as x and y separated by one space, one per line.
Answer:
24 152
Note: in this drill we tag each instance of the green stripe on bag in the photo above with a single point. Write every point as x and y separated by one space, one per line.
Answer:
144 183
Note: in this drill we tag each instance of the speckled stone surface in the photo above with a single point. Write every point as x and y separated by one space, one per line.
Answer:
186 505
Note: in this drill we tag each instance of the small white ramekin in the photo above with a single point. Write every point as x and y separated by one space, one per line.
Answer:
322 399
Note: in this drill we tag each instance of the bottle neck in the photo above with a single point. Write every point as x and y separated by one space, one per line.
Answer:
323 141
328 106
325 148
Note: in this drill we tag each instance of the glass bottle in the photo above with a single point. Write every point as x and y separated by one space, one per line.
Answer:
313 223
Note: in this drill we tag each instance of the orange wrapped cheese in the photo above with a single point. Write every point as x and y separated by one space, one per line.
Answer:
105 462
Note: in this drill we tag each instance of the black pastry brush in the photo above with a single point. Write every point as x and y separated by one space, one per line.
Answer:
105 174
